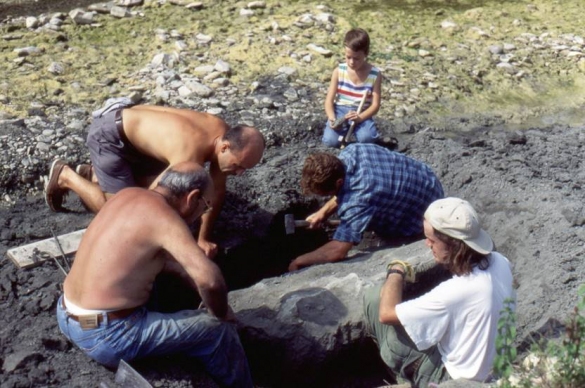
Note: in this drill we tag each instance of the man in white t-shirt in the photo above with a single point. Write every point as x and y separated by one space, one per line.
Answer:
449 332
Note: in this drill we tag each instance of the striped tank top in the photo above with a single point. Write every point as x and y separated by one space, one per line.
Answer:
350 94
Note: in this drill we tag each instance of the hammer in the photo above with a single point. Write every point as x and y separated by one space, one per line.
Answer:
290 224
345 139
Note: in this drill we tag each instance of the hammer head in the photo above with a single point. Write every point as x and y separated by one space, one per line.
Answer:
289 223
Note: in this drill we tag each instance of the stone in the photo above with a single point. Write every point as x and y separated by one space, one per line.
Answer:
181 45
287 70
30 50
199 89
21 359
506 67
196 6
119 12
79 16
31 22
103 8
310 315
160 59
203 39
222 67
203 70
318 49
291 94
246 12
324 18
56 68
256 4
448 24
495 49
130 3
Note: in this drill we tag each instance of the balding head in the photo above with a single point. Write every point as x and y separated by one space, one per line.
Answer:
241 148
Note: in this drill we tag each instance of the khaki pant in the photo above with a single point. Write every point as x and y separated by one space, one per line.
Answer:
397 349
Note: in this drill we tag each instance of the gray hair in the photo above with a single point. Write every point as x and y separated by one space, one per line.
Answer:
180 183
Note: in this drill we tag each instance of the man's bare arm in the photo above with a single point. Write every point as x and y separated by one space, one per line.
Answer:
208 219
177 240
390 296
323 213
331 252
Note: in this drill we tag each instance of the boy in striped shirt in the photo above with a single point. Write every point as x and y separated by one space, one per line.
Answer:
349 82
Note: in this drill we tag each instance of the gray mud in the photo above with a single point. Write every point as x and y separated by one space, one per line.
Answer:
527 186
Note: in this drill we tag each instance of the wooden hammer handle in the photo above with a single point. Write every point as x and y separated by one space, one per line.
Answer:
345 139
304 224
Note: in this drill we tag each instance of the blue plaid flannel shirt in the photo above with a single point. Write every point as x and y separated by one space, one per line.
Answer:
383 191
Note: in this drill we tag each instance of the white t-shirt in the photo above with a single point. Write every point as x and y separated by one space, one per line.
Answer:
460 316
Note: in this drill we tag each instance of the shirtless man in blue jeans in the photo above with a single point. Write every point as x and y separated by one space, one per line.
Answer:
138 234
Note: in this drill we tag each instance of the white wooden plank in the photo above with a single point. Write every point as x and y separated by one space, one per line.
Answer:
34 253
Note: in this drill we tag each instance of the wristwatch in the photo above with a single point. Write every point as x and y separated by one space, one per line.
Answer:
392 270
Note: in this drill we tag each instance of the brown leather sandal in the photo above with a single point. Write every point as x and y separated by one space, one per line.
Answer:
54 195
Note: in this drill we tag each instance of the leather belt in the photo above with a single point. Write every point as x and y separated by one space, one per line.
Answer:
112 315
99 317
120 126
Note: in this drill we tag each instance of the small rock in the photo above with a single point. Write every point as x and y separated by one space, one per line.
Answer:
196 6
287 70
160 59
199 89
130 3
506 67
256 5
56 68
79 16
203 70
30 50
32 22
319 49
21 359
119 12
181 45
101 7
291 94
203 39
222 67
496 49
324 18
448 24
246 12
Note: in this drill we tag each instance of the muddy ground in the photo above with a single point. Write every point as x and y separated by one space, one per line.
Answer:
528 187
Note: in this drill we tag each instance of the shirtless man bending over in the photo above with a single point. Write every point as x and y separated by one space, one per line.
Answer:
138 234
132 146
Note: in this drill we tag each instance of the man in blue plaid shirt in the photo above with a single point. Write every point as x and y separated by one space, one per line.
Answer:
373 188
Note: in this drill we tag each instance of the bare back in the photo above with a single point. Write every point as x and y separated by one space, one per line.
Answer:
118 258
173 135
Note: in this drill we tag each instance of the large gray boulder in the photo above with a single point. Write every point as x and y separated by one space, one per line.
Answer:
300 324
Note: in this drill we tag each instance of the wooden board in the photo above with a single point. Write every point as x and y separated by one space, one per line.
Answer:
35 253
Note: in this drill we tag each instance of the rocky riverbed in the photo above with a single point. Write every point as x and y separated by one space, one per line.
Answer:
491 97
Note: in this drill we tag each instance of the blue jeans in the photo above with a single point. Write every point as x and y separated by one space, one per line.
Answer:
398 351
365 132
193 333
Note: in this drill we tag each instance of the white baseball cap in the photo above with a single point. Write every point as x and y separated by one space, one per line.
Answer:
456 218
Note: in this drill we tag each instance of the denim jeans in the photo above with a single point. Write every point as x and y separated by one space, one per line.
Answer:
193 333
365 132
398 351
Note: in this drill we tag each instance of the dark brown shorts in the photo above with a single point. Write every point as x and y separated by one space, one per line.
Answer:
114 158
